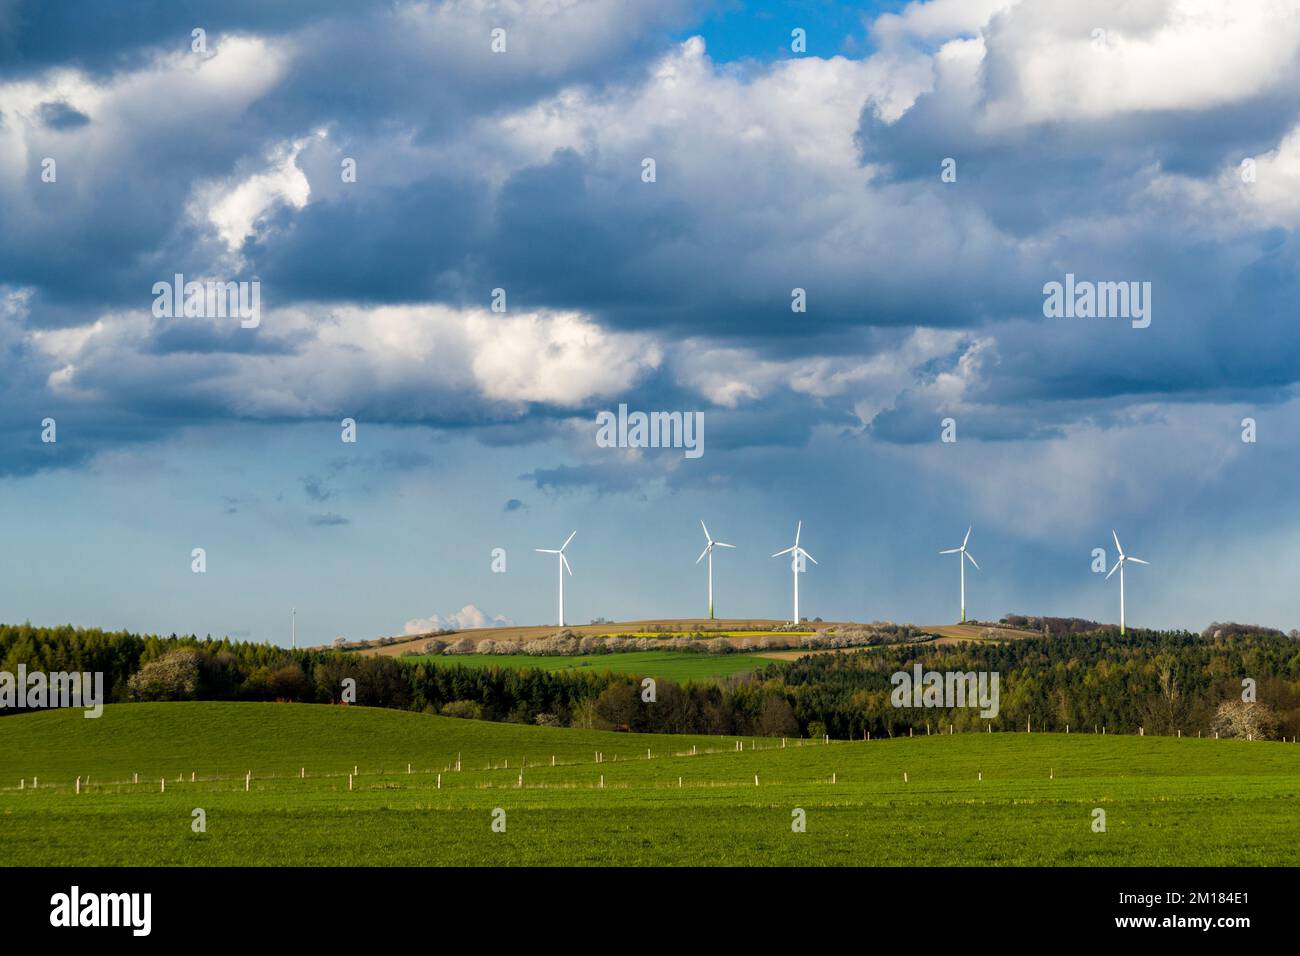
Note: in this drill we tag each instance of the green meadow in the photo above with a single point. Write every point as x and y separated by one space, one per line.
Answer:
689 800
676 666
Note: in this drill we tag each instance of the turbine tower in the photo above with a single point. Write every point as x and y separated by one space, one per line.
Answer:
796 553
293 626
965 555
563 566
708 550
1123 559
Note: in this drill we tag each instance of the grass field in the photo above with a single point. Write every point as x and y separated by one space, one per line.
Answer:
1168 801
676 666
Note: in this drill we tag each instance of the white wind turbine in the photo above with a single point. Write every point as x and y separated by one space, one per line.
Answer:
1123 559
708 550
796 553
563 566
965 555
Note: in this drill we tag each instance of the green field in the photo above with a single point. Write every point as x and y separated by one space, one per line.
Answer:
1168 801
676 666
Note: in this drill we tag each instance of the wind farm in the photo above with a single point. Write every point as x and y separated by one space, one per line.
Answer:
570 728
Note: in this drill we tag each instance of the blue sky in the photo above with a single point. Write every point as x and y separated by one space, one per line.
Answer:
1149 142
739 30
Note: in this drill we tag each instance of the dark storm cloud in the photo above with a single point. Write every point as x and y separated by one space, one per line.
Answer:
102 37
444 211
366 70
405 244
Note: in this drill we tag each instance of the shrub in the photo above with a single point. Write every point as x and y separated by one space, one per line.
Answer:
288 683
1236 718
173 676
466 709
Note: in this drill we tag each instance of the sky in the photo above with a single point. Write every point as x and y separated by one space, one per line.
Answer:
921 171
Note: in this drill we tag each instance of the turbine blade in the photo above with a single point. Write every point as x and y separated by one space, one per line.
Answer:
706 531
779 553
546 551
567 540
703 553
1118 547
721 544
967 538
807 555
1114 569
798 528
1136 560
565 562
971 558
950 551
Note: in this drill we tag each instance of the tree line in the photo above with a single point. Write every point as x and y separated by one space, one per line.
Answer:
1161 682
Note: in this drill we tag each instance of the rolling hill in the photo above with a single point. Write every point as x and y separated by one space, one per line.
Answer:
651 800
736 631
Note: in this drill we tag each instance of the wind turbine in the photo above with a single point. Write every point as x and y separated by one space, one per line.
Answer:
1123 559
796 553
965 555
708 550
564 566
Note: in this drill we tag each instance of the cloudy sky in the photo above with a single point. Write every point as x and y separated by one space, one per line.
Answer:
1149 141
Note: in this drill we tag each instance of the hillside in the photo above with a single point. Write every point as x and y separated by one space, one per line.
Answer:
736 631
1168 801
956 633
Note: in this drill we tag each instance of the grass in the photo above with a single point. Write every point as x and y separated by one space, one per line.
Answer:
1167 801
676 666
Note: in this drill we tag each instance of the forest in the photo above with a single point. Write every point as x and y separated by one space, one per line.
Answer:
1153 682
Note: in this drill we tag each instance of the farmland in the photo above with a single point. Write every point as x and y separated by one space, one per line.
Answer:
677 666
690 800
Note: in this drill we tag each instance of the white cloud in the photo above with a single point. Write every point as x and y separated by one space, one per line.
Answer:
467 617
730 376
236 206
560 359
416 362
1044 64
936 20
131 109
